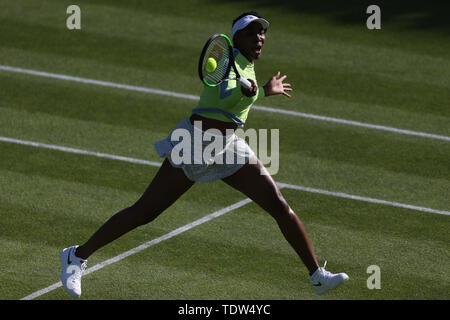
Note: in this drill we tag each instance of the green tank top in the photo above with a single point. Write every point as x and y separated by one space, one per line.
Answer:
225 102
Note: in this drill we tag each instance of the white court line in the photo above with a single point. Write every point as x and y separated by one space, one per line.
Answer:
193 97
365 199
281 185
79 151
145 245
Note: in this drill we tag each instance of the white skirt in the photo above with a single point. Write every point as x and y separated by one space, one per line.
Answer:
203 155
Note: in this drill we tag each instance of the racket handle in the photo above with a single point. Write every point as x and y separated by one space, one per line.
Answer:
245 83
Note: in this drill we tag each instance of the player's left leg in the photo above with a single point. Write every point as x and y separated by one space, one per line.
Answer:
255 182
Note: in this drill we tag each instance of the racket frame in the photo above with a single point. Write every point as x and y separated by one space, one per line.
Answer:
231 64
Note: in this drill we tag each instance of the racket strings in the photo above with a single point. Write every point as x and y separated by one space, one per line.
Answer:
219 50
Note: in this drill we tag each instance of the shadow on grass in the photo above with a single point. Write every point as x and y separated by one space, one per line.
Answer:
416 14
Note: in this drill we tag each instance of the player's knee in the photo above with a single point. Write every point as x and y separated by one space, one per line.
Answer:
281 209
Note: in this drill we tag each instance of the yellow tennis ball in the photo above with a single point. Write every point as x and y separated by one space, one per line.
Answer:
211 64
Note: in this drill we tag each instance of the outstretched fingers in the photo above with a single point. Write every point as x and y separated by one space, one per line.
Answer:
287 86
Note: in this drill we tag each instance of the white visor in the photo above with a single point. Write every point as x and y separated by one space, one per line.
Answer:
245 21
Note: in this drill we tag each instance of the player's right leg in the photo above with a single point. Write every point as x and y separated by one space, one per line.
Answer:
166 187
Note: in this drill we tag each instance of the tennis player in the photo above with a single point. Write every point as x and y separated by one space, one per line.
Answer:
249 176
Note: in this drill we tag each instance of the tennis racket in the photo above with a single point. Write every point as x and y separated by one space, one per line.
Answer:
220 49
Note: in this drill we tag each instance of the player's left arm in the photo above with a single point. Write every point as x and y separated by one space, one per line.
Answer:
276 86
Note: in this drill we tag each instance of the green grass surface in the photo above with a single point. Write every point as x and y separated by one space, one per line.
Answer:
397 76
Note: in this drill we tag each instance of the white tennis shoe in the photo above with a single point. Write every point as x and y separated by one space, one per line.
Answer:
72 270
323 280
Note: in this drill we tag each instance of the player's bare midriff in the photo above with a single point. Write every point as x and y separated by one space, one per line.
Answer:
208 123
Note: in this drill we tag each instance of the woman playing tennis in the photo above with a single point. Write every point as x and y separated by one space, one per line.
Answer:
221 110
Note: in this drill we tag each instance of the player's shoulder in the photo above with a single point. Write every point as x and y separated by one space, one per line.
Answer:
241 61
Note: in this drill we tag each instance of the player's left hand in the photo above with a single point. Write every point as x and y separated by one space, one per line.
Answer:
276 86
